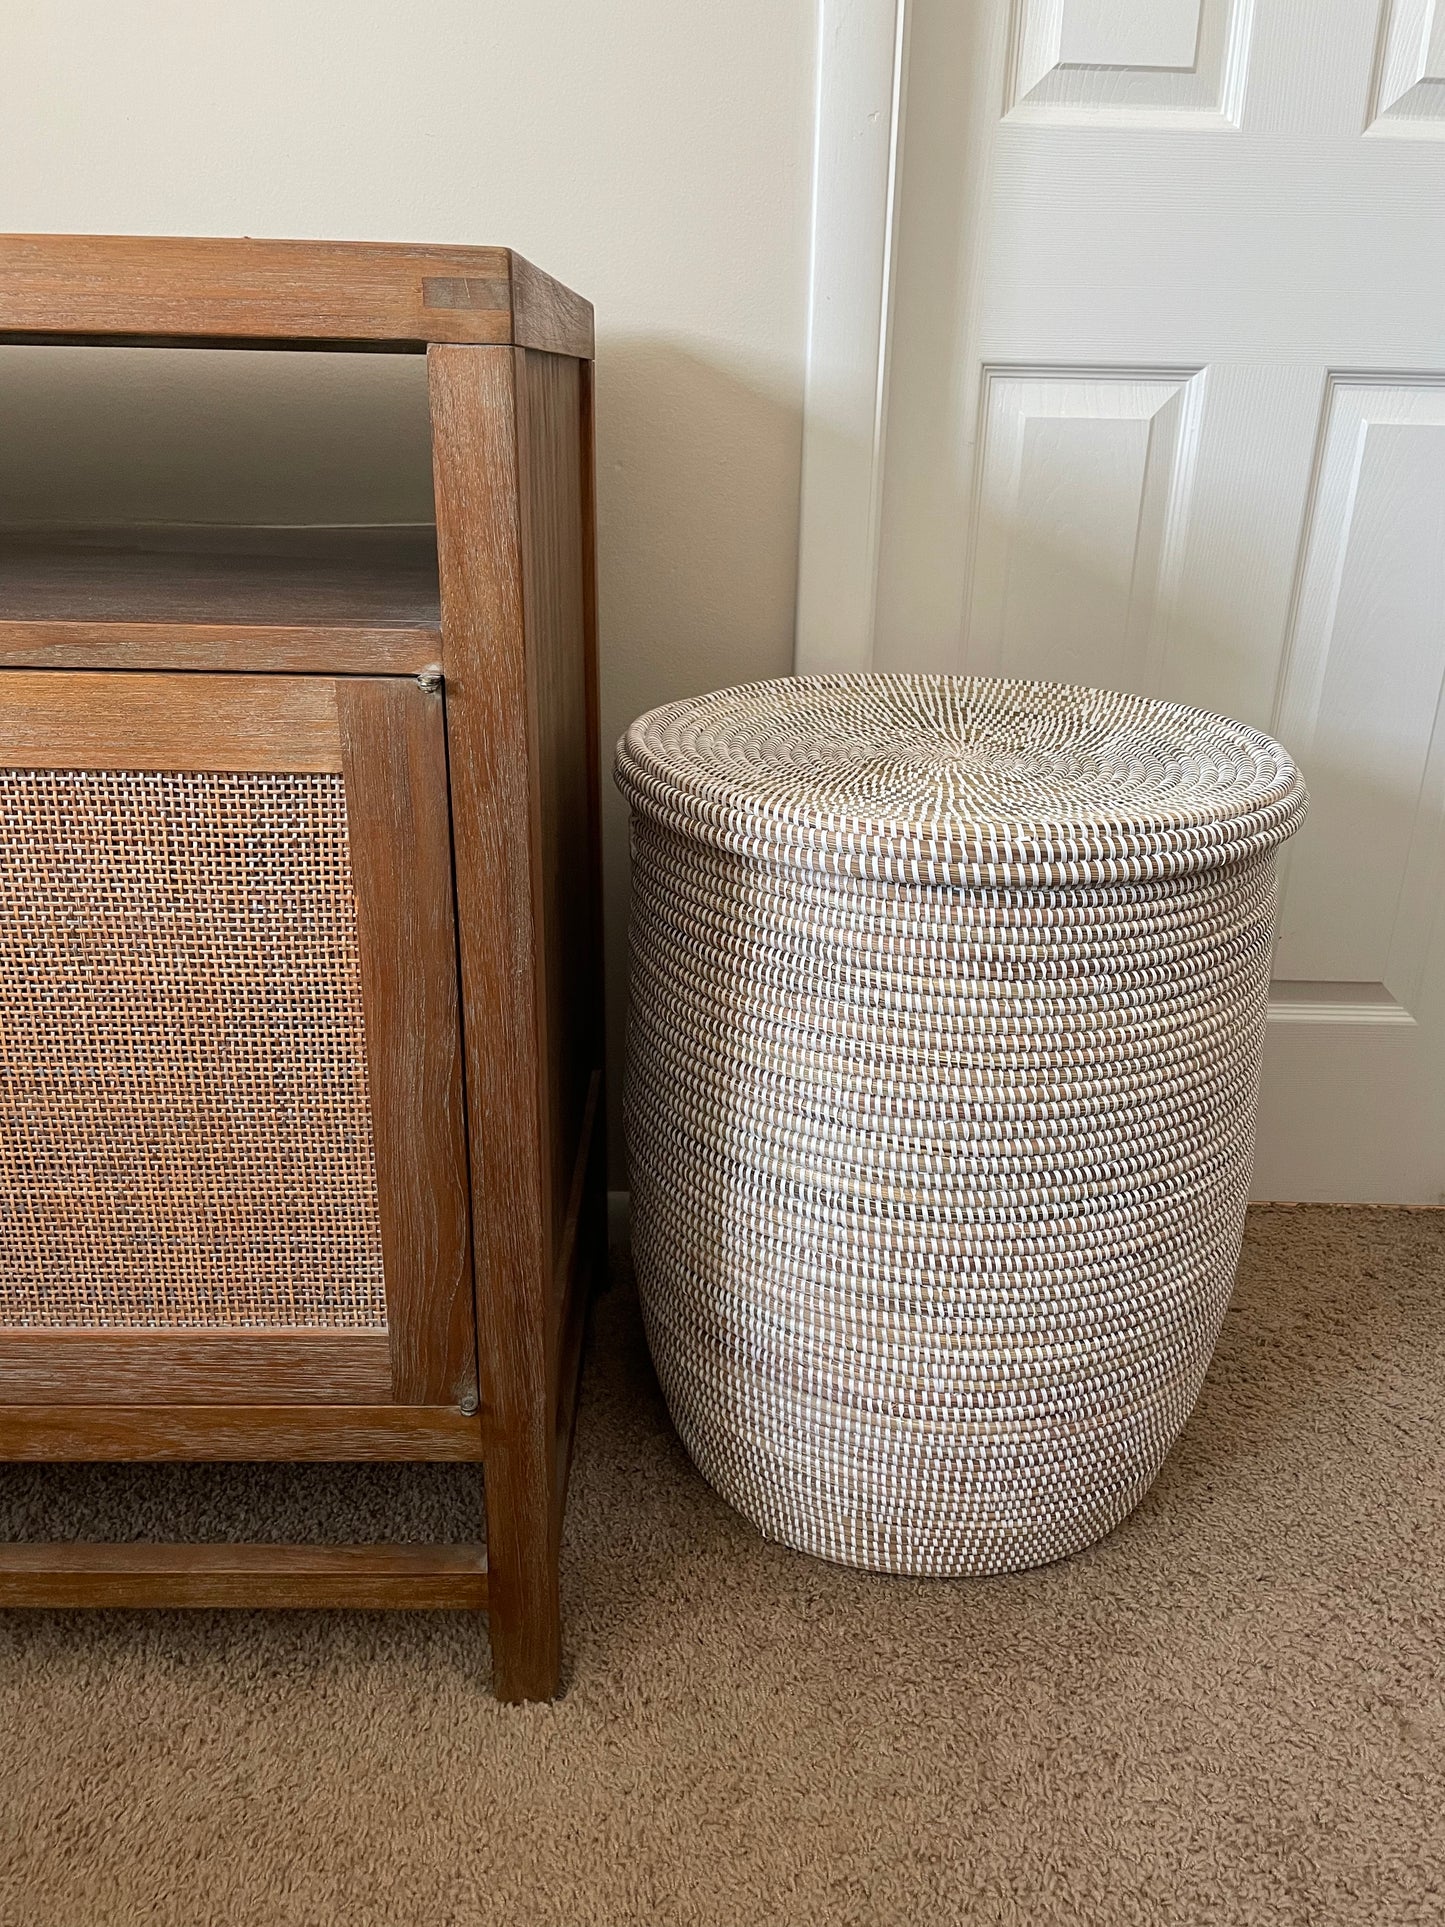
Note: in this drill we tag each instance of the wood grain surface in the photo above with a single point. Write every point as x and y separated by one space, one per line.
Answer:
58 719
394 761
332 601
220 573
64 1573
203 1368
511 450
554 567
582 1266
66 1432
579 1269
184 646
548 316
491 732
177 290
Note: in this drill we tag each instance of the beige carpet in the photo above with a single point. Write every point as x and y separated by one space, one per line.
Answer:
1232 1711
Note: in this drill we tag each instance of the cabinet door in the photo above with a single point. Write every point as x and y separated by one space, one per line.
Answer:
232 1158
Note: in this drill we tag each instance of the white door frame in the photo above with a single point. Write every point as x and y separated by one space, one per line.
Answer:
857 145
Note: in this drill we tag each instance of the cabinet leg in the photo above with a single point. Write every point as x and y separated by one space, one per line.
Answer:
523 1592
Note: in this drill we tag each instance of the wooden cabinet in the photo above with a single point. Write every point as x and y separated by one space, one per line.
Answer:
300 963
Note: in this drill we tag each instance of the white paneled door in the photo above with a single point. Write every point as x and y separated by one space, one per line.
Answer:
1166 412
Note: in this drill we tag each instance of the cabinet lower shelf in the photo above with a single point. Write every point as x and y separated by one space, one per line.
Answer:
65 1573
57 1434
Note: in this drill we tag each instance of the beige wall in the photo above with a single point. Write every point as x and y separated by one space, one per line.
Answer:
652 153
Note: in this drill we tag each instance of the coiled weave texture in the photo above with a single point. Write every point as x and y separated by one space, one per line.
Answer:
947 1004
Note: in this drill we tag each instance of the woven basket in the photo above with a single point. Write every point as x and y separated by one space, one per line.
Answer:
947 1004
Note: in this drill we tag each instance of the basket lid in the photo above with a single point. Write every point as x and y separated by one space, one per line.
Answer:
960 779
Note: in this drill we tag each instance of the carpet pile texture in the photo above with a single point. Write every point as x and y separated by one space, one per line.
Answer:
1231 1711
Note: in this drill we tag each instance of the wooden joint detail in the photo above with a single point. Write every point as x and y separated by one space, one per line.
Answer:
174 291
463 291
548 316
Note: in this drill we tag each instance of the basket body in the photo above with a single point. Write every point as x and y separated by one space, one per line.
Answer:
938 1169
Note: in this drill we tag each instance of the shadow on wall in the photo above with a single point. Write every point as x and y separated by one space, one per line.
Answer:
697 481
697 460
211 435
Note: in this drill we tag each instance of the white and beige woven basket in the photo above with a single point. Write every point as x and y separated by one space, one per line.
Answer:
947 1004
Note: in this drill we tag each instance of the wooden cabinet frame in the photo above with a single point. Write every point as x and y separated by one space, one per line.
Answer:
466 734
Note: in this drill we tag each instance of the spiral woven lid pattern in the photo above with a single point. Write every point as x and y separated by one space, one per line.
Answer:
960 779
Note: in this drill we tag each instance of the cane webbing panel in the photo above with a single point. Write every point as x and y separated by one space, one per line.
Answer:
185 1135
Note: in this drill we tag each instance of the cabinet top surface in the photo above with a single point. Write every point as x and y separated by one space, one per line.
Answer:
174 290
